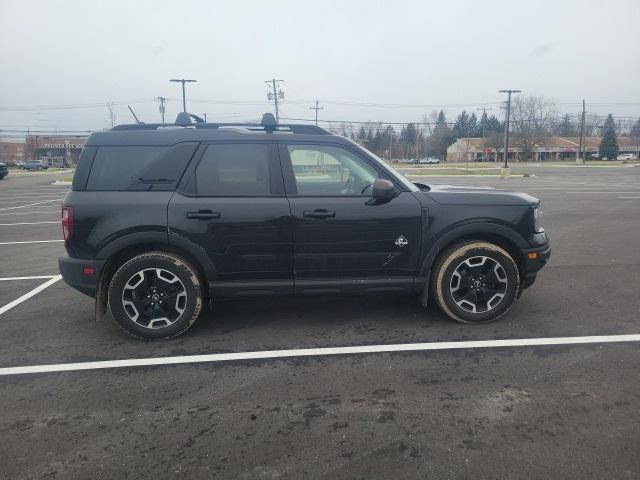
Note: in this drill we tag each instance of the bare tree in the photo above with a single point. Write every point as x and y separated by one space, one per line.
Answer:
532 118
592 124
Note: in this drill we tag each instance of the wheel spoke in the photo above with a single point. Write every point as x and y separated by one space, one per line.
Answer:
478 284
154 298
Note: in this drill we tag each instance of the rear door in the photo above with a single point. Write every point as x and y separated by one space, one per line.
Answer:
342 237
231 203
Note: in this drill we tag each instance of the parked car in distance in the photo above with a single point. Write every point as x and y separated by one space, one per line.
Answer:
4 171
35 165
626 156
162 221
429 160
20 165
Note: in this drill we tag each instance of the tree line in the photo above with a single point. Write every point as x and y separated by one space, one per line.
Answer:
533 119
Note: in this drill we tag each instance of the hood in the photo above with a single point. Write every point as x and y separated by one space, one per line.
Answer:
470 195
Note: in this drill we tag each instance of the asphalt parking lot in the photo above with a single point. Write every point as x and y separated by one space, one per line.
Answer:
545 411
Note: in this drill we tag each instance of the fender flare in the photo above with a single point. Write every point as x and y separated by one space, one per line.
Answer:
161 238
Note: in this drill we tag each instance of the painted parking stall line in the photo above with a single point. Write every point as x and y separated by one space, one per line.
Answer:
25 223
30 204
29 294
30 241
317 352
35 277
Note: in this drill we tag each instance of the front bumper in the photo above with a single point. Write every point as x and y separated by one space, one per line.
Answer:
533 261
73 271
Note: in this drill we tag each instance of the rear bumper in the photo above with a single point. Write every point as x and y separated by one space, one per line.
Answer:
534 260
73 273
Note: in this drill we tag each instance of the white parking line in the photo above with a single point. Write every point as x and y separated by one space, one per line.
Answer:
314 352
49 201
37 277
22 200
628 197
30 294
31 241
24 223
43 212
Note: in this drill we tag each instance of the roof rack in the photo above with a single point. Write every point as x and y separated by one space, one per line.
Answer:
268 125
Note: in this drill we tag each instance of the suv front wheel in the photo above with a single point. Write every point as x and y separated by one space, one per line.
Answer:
155 295
475 282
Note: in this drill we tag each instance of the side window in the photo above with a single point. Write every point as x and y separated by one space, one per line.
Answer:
330 171
128 168
234 169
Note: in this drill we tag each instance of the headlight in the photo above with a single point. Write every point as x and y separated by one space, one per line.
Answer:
537 214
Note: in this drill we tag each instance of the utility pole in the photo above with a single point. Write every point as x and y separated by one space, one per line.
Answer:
506 124
580 154
316 108
161 107
390 143
183 81
275 94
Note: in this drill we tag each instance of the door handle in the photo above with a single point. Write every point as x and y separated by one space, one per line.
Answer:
203 215
320 214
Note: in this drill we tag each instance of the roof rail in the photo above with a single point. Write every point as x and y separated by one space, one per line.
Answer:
290 128
268 125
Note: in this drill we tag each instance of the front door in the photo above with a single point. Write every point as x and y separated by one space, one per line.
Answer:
231 203
342 237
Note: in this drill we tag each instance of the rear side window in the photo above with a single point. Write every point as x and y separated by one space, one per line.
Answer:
234 169
139 167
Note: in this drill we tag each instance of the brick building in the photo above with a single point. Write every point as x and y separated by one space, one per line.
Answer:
56 150
12 150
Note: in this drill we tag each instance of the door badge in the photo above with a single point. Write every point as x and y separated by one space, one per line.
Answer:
401 241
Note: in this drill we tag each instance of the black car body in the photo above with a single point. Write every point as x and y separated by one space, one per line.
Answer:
4 171
270 210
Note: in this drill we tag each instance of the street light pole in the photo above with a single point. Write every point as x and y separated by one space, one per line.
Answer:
506 126
183 81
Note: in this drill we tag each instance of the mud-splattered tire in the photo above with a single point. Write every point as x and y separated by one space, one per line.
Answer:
155 295
475 282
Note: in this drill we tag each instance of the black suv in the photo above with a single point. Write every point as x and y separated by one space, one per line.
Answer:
163 218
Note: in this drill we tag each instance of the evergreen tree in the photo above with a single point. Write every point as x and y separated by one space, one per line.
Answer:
362 134
473 129
609 143
493 125
635 129
461 125
442 119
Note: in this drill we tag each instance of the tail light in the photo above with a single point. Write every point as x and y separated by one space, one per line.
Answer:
67 223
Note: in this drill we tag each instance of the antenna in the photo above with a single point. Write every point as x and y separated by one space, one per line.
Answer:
134 115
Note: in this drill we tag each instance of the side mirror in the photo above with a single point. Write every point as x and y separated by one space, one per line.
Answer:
383 189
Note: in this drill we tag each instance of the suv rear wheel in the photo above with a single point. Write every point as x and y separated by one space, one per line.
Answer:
155 295
475 282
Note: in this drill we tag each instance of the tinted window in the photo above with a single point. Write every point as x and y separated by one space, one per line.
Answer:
127 168
330 171
234 169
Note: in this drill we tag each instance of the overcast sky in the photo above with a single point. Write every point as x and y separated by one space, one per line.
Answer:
449 54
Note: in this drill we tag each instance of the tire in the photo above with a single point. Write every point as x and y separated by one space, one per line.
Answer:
142 292
475 282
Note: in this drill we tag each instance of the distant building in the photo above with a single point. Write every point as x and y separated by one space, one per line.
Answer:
12 150
549 148
54 149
